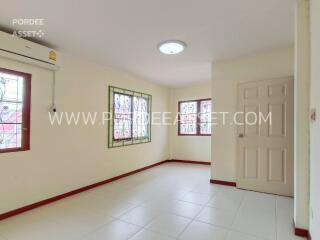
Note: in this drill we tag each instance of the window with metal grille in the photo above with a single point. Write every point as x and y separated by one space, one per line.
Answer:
15 94
130 123
195 118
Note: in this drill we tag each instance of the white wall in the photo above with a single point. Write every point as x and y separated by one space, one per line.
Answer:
315 126
65 158
196 148
225 77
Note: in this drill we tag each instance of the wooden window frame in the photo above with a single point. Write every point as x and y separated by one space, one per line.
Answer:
26 111
112 142
198 101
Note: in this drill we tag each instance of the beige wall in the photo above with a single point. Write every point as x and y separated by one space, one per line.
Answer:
196 148
301 116
315 126
65 158
225 77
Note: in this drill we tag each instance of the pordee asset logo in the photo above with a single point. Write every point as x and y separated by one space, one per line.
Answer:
28 22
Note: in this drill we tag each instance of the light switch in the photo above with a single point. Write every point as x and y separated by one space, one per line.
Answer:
313 115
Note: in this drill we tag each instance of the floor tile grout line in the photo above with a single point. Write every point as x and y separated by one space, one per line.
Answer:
97 228
113 219
238 210
203 206
146 226
140 227
232 229
198 220
194 218
226 228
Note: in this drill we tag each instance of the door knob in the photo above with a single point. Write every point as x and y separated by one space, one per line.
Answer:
240 135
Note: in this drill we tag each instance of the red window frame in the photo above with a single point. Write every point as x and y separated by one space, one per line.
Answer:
198 101
26 108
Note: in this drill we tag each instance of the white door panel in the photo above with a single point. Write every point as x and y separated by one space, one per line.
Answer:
265 151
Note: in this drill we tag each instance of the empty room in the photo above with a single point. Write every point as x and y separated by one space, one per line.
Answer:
159 120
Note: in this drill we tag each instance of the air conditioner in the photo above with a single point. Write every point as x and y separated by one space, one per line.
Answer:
19 49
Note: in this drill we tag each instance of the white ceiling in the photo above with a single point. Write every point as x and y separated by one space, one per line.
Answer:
125 33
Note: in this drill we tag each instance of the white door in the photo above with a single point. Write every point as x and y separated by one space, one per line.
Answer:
265 150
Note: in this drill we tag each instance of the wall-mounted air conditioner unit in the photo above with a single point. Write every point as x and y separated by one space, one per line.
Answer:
22 50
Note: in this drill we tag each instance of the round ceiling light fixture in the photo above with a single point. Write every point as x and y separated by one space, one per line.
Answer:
171 47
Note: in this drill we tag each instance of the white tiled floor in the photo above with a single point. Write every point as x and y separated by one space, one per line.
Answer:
172 201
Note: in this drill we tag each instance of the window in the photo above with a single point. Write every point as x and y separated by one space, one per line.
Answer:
195 118
130 122
15 93
205 117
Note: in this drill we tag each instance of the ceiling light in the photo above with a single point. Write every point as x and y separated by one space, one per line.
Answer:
172 47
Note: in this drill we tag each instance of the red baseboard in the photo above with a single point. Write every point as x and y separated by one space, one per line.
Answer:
226 183
301 232
189 161
73 192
